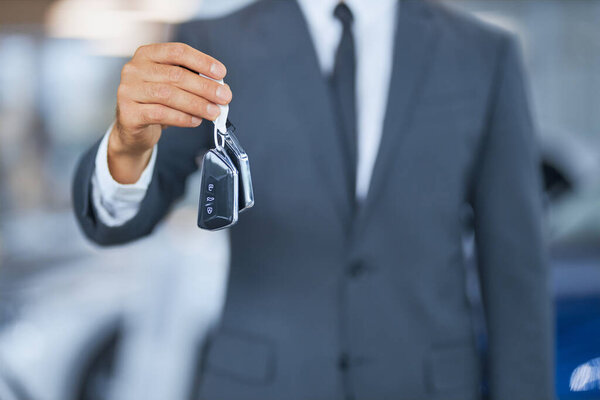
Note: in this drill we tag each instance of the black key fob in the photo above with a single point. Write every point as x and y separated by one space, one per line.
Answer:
218 206
242 163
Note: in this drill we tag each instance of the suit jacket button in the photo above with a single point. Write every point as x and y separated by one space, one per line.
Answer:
356 269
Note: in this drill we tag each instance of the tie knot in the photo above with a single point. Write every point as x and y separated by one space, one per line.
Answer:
343 13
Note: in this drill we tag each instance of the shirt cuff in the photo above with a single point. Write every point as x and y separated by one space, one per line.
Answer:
117 203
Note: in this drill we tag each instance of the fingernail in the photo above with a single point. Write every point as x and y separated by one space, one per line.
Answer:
196 121
223 93
217 70
213 110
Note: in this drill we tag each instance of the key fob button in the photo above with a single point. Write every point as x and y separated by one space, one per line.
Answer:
218 206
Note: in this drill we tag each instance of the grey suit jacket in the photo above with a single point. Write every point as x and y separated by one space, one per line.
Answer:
324 304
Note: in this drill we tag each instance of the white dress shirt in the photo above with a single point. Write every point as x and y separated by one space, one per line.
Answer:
373 29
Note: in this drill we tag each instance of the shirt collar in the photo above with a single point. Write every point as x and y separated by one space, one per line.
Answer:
364 11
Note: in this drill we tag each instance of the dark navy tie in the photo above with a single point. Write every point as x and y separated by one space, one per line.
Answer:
343 82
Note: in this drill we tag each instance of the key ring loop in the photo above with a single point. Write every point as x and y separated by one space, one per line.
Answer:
218 134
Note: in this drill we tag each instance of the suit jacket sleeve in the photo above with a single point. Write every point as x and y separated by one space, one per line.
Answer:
176 159
507 203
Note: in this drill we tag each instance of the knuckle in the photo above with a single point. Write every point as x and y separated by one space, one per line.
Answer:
176 51
140 50
122 91
183 119
175 74
160 92
156 69
198 104
127 70
204 85
154 114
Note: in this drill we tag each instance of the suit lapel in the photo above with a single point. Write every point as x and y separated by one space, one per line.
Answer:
294 62
416 37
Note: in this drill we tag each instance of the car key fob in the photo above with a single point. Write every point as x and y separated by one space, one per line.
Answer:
218 191
242 163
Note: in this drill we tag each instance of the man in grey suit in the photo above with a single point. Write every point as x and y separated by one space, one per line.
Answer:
336 291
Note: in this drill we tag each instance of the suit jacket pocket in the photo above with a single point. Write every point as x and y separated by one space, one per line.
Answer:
454 369
240 356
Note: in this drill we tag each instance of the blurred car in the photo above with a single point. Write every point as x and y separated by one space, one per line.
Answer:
114 328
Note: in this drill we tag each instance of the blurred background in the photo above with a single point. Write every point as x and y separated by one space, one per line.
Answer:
79 322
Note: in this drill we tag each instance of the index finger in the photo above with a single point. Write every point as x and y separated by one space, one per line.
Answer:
186 56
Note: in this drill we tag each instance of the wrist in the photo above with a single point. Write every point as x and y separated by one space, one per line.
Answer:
126 162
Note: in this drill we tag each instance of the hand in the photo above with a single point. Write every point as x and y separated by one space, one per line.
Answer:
158 89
